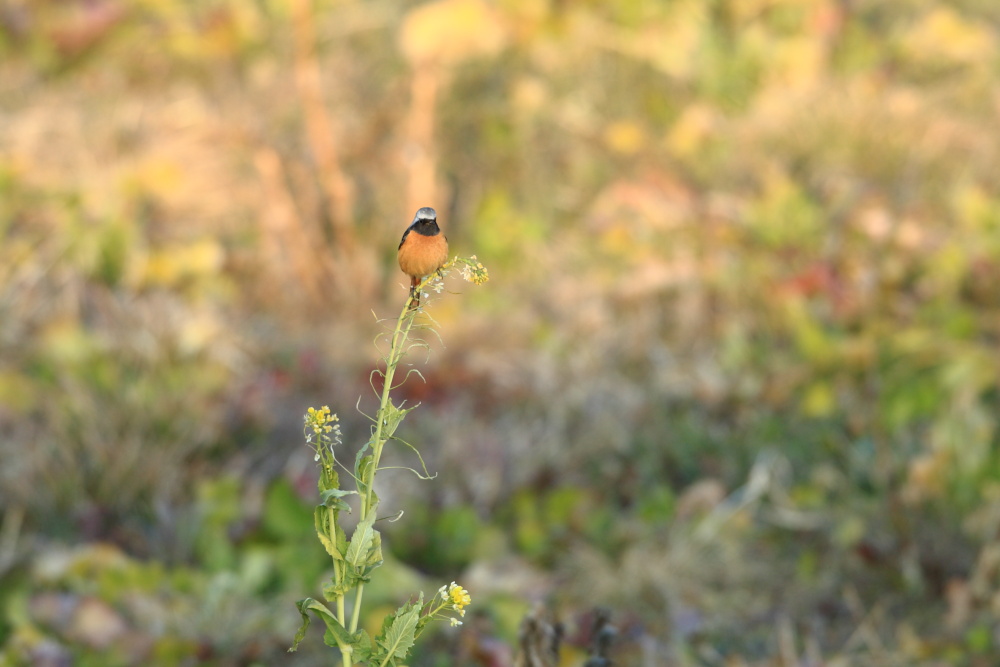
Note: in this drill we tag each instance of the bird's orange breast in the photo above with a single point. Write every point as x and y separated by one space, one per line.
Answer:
422 255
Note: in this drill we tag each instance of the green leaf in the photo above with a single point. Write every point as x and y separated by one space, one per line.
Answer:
337 637
332 590
330 547
362 466
327 495
375 553
329 480
362 648
399 631
332 624
339 505
391 419
333 498
300 634
361 542
373 559
336 634
341 540
330 639
326 525
360 458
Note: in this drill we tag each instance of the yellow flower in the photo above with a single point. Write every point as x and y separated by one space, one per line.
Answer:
458 596
321 421
474 272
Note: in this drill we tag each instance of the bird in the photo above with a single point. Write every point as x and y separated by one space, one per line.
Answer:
423 249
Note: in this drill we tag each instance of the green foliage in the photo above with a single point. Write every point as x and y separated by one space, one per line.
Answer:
437 540
398 634
283 518
728 231
364 544
219 501
336 634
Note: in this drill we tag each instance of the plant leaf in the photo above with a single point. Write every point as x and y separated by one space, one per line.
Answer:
333 498
375 553
362 647
329 480
333 626
323 520
333 589
373 559
362 465
399 631
335 493
361 542
341 540
392 418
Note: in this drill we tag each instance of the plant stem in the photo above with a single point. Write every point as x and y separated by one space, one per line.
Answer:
397 349
345 655
399 336
356 612
341 615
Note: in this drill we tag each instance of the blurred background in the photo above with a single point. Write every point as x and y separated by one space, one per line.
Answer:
734 378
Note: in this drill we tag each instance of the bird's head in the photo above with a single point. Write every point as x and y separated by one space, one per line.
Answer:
425 220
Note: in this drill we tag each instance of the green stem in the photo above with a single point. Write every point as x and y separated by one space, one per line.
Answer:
345 653
338 574
341 615
356 612
390 370
396 350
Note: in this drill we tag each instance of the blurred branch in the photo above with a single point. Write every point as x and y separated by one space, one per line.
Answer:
319 129
538 640
420 154
289 244
603 635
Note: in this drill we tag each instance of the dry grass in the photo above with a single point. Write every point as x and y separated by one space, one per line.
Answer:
713 231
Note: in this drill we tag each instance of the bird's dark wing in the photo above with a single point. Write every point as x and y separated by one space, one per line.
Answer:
405 234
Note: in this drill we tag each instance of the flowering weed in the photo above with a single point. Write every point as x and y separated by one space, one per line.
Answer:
356 558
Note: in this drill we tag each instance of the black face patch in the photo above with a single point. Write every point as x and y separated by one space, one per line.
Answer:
427 228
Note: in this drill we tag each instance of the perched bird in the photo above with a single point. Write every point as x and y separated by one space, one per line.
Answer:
423 248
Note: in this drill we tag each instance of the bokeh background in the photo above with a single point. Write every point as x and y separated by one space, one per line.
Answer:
734 377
